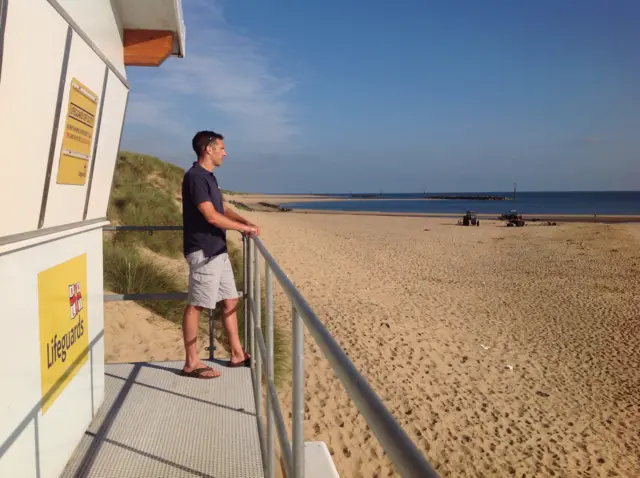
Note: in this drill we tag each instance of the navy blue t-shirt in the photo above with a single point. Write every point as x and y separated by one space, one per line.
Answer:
199 185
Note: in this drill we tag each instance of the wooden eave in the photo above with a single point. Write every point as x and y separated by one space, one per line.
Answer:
147 47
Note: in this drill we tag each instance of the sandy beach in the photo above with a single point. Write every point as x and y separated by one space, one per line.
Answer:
501 351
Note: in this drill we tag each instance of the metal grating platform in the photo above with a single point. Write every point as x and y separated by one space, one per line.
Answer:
156 423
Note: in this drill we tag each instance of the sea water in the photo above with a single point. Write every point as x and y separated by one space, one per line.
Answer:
529 203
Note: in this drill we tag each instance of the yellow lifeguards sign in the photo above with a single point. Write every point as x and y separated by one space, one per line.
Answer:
64 325
75 153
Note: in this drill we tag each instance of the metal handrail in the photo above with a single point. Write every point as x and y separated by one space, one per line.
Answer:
142 228
403 453
146 296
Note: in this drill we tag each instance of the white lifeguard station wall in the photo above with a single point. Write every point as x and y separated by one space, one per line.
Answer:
63 96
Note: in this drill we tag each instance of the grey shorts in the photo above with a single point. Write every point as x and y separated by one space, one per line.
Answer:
210 280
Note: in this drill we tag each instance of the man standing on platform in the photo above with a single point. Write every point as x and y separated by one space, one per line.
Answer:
211 278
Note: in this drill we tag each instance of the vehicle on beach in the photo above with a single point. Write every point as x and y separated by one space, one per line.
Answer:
513 218
469 219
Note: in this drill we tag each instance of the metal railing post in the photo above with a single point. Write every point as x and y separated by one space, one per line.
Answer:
252 305
249 302
270 471
298 394
245 288
257 323
211 347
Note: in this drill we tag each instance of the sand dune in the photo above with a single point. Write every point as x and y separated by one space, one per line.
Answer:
501 351
135 334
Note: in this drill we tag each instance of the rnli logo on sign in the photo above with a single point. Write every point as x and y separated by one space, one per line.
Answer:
63 326
75 299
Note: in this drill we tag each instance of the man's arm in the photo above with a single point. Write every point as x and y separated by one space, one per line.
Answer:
199 191
221 220
231 214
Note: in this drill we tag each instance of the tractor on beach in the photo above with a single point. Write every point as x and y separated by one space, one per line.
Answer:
469 219
513 218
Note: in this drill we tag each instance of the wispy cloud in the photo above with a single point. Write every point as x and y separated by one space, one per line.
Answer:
227 75
151 111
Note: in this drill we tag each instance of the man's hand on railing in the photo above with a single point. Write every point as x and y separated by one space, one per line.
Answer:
248 227
256 228
251 230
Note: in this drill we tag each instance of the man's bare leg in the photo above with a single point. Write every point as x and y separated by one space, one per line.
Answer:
230 321
190 333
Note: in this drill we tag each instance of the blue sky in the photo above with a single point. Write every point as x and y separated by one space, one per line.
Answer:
363 95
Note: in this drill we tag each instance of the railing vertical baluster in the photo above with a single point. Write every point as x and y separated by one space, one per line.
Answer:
211 346
246 259
252 342
257 382
270 472
298 394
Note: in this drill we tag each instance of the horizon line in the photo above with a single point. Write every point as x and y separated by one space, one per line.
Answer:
510 192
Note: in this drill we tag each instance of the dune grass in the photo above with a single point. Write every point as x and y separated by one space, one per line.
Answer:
147 191
126 271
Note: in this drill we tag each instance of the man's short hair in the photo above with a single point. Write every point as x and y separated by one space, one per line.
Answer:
202 139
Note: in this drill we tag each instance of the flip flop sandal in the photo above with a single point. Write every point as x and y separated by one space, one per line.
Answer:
245 363
198 373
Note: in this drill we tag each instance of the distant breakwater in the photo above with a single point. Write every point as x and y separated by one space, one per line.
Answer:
467 198
471 198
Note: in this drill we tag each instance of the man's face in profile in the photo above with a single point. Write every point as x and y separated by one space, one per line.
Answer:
217 152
